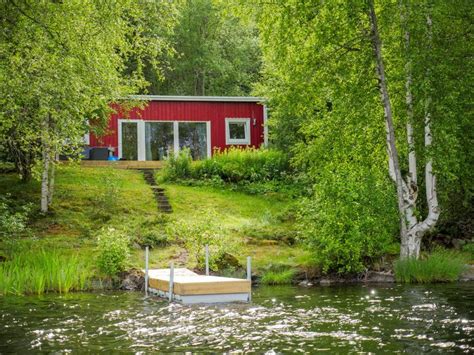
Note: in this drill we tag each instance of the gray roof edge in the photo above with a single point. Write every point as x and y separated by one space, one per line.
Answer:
198 98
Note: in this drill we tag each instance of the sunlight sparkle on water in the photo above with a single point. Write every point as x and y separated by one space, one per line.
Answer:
280 319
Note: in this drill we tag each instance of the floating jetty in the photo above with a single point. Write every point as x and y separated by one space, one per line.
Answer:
188 287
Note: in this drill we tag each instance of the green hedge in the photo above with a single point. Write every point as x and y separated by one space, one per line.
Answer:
232 165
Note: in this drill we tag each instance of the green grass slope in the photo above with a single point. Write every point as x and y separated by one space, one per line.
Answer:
88 199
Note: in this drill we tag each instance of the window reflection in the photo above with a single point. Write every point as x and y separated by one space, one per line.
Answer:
158 140
193 135
129 141
237 130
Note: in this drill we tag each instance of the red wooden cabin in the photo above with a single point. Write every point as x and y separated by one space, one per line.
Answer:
169 123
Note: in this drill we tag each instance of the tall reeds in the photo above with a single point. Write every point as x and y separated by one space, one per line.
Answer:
439 266
40 271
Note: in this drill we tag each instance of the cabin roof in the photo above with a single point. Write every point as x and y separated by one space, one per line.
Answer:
198 98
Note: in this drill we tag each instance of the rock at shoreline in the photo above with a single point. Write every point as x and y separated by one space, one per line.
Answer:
134 280
305 283
378 276
325 282
468 274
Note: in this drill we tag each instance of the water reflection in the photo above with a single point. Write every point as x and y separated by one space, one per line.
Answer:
281 319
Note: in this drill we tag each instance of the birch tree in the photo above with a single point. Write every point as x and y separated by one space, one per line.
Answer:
355 87
411 230
62 65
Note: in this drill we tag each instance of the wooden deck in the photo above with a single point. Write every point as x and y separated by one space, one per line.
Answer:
123 164
189 287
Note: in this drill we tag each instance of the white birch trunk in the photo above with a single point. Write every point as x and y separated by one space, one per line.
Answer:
52 173
430 177
409 102
45 172
394 166
416 231
409 246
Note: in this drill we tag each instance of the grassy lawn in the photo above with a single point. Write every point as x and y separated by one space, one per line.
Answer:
87 199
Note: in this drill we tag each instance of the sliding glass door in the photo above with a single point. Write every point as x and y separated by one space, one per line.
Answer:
159 140
156 140
129 141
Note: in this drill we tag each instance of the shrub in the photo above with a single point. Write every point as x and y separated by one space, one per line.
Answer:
469 248
243 164
6 167
113 251
30 271
439 266
153 238
178 166
233 165
13 221
348 223
196 235
147 230
106 200
283 277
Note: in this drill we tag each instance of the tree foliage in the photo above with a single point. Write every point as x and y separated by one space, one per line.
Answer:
62 64
215 53
319 74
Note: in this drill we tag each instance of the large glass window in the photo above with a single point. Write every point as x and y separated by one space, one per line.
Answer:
193 135
237 130
159 140
129 141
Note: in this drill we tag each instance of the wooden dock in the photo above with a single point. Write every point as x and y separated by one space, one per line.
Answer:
188 287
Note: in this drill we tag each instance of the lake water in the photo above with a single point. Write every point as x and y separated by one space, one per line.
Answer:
339 319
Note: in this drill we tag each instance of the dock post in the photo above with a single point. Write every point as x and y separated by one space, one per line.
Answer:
249 275
146 270
207 260
170 290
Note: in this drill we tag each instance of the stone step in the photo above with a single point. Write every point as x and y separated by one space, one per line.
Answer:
157 188
159 192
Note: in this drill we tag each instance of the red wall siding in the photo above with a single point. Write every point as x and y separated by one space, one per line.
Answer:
215 112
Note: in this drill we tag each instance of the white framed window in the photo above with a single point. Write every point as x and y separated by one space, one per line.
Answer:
87 138
237 131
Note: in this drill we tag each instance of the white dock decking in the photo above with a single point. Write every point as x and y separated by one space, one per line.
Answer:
189 287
